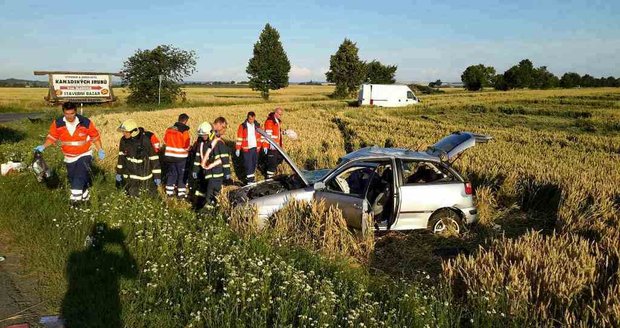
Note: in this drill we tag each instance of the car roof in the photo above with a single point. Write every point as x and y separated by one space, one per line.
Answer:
377 152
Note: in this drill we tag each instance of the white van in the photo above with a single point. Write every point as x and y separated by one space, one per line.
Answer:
386 95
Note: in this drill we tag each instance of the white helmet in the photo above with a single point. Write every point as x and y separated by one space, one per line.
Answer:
205 128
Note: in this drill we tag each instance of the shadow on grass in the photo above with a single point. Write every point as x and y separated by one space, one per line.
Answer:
8 135
93 274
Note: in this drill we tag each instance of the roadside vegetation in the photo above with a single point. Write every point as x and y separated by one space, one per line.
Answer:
546 251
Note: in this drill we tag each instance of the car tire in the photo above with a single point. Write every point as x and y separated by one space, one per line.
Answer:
446 222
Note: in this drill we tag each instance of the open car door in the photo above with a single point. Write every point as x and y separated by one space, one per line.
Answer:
347 190
451 147
284 155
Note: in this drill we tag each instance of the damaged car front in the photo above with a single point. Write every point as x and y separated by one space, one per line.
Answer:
268 196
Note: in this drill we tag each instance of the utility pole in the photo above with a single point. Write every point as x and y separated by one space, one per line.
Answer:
159 90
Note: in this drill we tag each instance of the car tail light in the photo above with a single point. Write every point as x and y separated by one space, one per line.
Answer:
468 189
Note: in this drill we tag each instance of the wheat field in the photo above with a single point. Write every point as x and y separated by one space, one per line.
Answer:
548 245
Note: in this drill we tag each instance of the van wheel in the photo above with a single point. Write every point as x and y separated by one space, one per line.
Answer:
446 223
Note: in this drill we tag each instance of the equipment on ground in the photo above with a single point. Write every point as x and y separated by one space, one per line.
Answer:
40 168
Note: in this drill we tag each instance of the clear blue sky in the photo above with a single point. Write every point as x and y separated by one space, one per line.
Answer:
428 40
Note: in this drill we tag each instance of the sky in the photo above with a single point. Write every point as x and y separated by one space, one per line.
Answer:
427 40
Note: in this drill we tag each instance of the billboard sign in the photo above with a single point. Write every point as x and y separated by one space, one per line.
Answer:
81 86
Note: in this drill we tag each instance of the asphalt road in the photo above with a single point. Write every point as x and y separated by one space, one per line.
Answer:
8 117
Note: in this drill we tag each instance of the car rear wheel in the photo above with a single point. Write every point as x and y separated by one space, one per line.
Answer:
446 222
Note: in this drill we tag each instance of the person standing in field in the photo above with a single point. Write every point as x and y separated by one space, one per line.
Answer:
177 141
138 162
274 131
216 162
76 134
250 142
202 148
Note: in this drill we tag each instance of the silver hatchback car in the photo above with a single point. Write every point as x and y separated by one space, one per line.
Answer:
388 188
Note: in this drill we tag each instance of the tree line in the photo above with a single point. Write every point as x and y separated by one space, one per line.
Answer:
268 69
164 67
525 75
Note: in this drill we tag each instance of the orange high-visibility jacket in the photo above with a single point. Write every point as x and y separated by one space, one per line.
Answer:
154 140
78 143
177 141
242 137
272 128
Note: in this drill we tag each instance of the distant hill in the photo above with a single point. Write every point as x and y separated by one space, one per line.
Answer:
22 83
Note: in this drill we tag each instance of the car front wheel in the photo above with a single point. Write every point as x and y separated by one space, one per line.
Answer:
446 222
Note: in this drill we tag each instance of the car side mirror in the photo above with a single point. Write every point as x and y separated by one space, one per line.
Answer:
319 185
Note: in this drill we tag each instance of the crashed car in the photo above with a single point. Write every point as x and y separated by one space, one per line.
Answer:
384 188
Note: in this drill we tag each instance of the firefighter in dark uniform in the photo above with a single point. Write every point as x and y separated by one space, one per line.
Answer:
201 148
138 163
216 163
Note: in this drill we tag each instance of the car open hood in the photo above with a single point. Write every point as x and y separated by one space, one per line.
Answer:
284 155
449 148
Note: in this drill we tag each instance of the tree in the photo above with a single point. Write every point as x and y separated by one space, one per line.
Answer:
543 79
377 73
521 75
269 67
346 69
570 80
499 83
476 77
435 84
588 81
142 70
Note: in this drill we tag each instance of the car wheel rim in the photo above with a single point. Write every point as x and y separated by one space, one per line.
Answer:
445 225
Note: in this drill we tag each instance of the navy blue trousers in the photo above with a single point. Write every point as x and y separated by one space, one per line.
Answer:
78 173
175 174
250 160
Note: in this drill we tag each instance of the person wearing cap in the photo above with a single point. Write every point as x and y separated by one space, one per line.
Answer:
75 133
250 142
216 162
138 163
177 140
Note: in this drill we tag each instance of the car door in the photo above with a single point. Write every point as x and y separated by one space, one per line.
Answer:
346 189
424 188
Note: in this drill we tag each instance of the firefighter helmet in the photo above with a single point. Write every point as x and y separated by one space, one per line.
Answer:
205 128
128 126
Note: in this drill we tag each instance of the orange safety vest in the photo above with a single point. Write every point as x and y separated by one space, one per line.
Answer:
242 137
177 141
75 144
272 128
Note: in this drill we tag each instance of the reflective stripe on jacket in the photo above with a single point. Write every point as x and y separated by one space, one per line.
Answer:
177 141
137 159
242 136
78 143
272 128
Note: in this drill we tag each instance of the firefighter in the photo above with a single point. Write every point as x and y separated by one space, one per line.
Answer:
250 141
216 163
138 162
75 133
202 146
177 141
273 130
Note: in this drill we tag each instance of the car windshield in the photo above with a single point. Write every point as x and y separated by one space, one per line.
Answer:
316 175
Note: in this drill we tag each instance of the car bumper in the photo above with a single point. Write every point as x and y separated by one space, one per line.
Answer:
470 215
